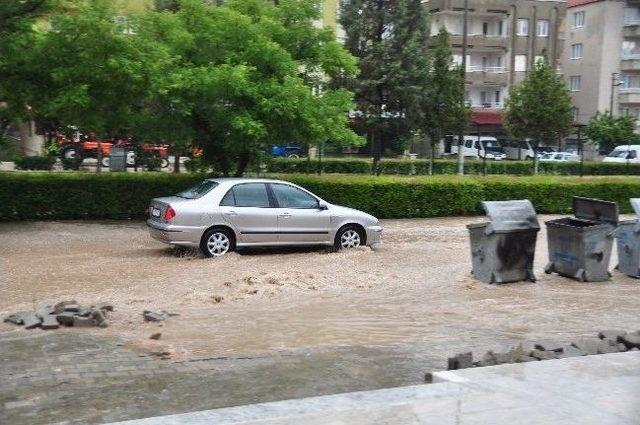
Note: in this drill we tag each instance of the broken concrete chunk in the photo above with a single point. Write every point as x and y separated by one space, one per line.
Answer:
156 336
50 321
549 346
83 322
544 354
72 307
31 320
591 345
151 316
16 318
44 311
98 316
65 318
461 361
614 334
84 311
621 347
59 307
103 324
631 340
524 359
571 351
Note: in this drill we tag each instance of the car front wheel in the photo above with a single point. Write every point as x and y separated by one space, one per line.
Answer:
216 243
349 237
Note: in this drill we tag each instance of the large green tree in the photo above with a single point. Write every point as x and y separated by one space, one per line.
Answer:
443 106
608 131
389 37
539 108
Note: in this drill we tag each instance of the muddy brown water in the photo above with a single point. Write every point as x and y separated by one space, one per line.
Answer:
414 291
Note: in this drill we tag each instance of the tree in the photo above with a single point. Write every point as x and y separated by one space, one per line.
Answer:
444 110
539 108
608 131
240 78
389 37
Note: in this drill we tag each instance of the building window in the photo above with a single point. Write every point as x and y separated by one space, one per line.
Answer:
578 19
576 51
629 49
521 63
497 97
485 28
500 28
522 27
543 28
629 81
574 83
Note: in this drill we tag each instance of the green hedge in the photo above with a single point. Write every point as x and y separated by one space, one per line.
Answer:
76 195
445 166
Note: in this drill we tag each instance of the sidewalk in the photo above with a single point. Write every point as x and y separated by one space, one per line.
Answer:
601 389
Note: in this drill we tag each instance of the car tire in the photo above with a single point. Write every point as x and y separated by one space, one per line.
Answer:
71 153
217 242
348 237
106 161
164 162
293 156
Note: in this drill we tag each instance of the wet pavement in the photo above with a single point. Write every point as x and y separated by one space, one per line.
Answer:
264 325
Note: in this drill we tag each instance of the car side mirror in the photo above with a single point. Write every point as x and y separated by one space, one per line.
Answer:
322 205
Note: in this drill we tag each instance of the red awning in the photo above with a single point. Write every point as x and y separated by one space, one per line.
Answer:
486 118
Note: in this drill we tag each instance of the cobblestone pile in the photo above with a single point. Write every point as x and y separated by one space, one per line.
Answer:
608 341
64 313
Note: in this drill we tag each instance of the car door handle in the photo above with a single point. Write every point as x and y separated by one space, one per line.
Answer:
285 215
230 213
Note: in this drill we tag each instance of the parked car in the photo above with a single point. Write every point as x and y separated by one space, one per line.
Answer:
524 149
219 215
559 157
624 153
484 146
287 151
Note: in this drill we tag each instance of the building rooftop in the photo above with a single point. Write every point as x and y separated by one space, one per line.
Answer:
575 3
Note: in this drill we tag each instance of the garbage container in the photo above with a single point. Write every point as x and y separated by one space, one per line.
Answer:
502 250
580 246
629 243
117 159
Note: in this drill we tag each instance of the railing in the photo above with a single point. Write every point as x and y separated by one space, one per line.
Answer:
492 69
630 56
496 105
630 22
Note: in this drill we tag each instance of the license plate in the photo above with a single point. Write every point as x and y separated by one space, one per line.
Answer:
155 212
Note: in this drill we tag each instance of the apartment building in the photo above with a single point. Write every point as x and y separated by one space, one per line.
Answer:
602 61
504 40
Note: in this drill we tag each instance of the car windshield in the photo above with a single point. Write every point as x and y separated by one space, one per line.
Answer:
494 149
544 149
546 156
198 191
618 153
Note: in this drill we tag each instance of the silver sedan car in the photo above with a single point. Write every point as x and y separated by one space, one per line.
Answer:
219 215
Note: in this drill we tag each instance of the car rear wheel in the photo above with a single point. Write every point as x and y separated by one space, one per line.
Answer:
349 237
216 243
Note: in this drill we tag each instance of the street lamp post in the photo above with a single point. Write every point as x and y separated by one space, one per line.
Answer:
464 75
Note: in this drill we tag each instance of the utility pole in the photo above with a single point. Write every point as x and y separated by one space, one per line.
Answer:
463 80
614 77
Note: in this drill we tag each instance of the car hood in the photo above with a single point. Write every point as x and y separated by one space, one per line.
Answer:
345 211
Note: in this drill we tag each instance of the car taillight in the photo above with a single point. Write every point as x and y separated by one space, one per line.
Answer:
169 214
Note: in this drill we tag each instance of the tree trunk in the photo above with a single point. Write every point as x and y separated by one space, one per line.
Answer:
461 156
243 161
176 163
433 155
30 143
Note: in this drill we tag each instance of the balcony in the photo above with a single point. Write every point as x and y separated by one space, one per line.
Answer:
630 62
479 76
631 30
482 41
486 105
629 95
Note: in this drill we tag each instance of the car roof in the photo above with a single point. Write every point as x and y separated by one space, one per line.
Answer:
233 180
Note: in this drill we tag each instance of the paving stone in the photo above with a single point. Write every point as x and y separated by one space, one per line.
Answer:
59 307
571 351
548 345
83 322
631 340
590 345
613 334
544 354
72 307
65 318
151 316
50 321
16 318
31 320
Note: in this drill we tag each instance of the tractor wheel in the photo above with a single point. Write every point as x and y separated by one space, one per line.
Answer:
71 154
106 161
164 162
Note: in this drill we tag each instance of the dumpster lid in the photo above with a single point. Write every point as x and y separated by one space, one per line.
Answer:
635 204
595 210
511 215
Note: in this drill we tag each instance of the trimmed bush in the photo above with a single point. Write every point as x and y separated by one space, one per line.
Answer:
126 195
407 167
34 162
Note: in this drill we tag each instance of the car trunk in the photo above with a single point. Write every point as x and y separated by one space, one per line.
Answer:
158 206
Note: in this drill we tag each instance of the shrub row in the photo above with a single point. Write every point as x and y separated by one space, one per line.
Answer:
126 195
446 166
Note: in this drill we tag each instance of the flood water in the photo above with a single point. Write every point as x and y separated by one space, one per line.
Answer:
414 293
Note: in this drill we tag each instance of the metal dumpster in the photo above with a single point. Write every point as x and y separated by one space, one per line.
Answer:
629 243
502 250
580 246
117 159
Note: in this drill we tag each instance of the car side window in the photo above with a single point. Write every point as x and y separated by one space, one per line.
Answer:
229 200
292 197
632 155
251 195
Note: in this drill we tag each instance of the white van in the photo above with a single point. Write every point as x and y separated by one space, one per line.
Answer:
525 149
484 146
624 153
